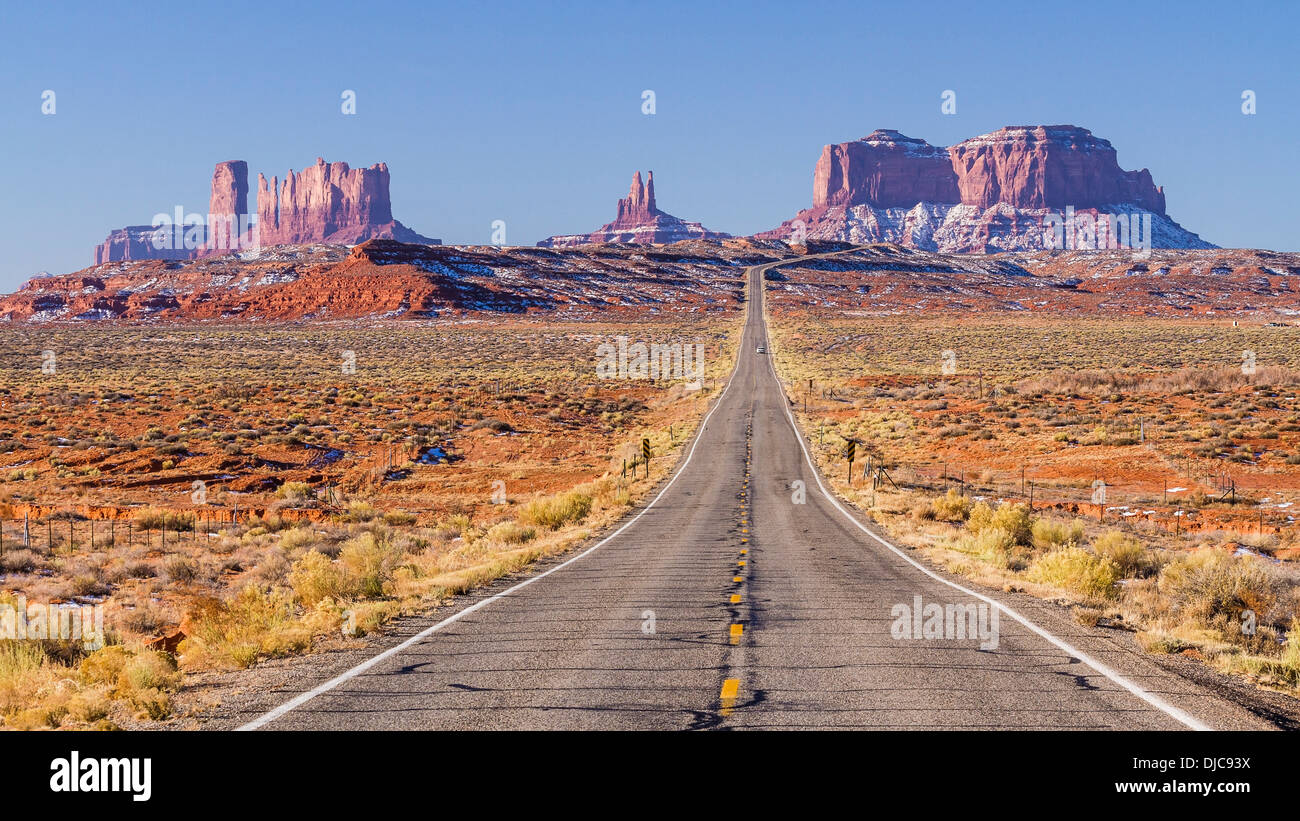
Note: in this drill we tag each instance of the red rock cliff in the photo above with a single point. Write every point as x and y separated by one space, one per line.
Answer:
885 169
227 205
1028 167
327 202
330 203
1048 167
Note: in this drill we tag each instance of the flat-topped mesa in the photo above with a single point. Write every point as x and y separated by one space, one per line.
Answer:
329 203
638 220
886 169
1023 166
988 193
1051 166
135 242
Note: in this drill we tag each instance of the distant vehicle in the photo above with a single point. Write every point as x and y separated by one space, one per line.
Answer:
761 349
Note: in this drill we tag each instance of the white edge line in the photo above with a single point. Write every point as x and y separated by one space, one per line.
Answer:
302 698
1150 698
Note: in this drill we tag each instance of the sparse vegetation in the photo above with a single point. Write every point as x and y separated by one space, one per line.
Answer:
1186 541
202 502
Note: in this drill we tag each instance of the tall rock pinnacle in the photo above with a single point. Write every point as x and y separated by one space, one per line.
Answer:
639 220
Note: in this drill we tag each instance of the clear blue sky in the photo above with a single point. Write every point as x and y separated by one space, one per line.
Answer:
532 113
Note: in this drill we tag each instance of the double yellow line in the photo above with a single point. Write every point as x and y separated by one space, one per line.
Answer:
731 687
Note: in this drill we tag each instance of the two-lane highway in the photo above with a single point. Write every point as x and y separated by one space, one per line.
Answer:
731 602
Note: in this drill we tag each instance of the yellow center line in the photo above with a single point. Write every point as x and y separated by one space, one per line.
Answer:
735 598
736 630
737 579
730 690
741 563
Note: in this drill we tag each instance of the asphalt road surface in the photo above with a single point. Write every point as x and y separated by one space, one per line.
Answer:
728 604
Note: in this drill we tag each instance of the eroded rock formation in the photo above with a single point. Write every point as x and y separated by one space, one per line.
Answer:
326 203
639 221
988 193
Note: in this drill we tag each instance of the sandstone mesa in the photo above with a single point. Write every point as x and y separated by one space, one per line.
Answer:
324 203
986 194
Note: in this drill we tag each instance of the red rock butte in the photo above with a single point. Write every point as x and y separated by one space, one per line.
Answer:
325 203
638 221
228 202
330 203
987 193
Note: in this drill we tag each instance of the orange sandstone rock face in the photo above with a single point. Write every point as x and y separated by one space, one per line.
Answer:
326 203
1054 166
639 204
227 206
989 193
885 169
330 203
